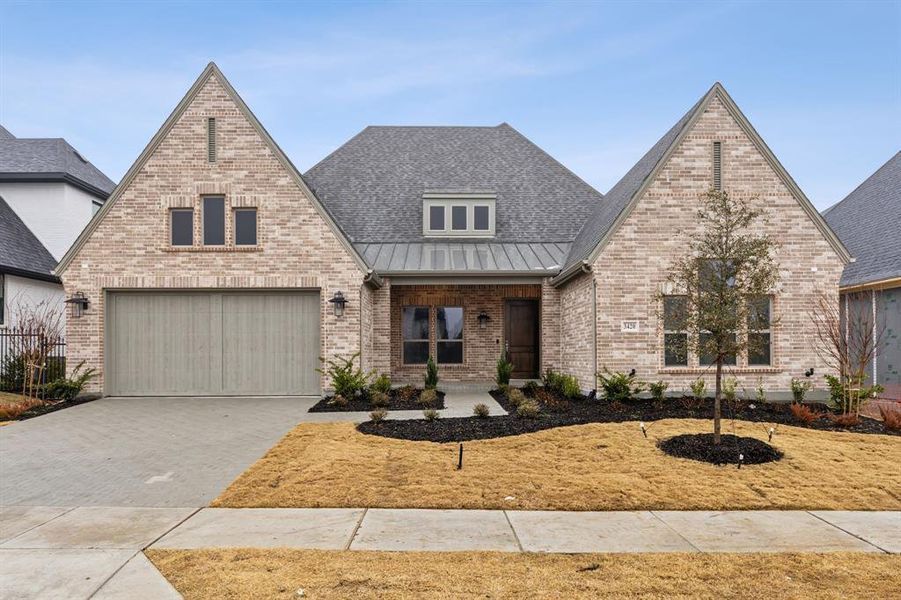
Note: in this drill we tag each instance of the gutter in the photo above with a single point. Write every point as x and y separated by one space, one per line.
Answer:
578 268
373 280
56 177
25 274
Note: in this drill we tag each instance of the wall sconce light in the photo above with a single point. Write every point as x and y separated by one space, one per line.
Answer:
338 301
483 319
78 303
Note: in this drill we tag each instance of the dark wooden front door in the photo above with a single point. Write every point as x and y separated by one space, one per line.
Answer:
521 335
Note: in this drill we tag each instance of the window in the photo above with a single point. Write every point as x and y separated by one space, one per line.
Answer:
436 218
480 217
760 339
246 227
717 166
447 215
95 206
450 334
675 337
214 221
458 218
211 139
705 359
181 225
415 328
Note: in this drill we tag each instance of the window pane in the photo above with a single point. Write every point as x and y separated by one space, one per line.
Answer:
480 218
436 218
416 353
458 217
214 221
675 352
759 349
182 223
246 227
450 323
450 352
759 313
673 313
705 358
416 323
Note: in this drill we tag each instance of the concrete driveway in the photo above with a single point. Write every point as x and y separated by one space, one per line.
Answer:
152 452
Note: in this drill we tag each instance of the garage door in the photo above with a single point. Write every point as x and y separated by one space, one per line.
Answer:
210 344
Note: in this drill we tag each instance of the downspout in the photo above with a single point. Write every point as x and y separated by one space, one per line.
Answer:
594 338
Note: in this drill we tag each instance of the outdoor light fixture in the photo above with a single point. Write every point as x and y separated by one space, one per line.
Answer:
339 302
483 319
78 303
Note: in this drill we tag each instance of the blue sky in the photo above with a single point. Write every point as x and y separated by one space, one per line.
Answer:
594 84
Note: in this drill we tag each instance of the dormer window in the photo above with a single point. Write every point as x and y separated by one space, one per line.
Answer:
458 214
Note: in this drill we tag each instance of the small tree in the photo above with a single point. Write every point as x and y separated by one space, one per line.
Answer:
726 267
39 329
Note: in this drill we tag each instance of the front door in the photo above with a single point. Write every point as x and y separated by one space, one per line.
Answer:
521 335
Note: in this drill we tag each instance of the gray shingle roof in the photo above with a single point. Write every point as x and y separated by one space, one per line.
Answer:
475 257
868 221
24 158
605 213
20 250
5 134
373 184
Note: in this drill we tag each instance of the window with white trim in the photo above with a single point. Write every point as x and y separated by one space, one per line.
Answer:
458 215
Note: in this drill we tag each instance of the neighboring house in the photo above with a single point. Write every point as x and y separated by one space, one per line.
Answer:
52 188
868 221
217 268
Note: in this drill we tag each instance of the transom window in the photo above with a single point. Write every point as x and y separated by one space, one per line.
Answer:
446 215
213 221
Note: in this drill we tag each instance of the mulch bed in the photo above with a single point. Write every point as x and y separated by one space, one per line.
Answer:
732 449
50 406
563 412
362 404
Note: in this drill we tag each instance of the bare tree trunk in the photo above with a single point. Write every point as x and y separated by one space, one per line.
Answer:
717 413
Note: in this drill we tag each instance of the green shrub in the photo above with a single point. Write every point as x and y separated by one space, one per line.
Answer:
406 392
378 415
431 374
571 387
347 379
12 374
699 388
561 383
428 396
67 388
528 409
481 410
504 389
619 386
430 414
530 388
729 386
382 383
658 390
515 397
799 388
553 380
504 370
379 399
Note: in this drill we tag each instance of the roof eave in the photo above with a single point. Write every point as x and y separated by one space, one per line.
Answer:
54 177
28 274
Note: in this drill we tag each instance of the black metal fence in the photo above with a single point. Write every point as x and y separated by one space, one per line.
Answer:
17 349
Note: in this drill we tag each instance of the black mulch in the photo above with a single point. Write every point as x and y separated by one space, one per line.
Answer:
563 412
52 406
732 449
361 403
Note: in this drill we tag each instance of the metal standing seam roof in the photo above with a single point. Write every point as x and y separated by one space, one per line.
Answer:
471 257
20 251
868 221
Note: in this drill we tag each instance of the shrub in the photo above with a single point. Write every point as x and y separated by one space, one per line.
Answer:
527 409
382 384
431 374
515 397
729 386
552 380
530 388
8 412
67 388
379 399
12 373
699 388
799 389
481 410
546 398
804 413
430 414
761 392
850 394
338 400
378 415
891 417
618 386
846 420
658 390
428 396
406 393
347 378
504 370
690 402
571 388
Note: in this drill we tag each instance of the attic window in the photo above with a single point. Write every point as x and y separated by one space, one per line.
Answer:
458 214
211 139
717 166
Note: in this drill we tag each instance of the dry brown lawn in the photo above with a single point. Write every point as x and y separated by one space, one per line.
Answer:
12 405
280 573
583 467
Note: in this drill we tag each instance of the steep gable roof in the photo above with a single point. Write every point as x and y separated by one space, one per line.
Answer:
618 202
868 221
42 159
374 183
21 253
211 70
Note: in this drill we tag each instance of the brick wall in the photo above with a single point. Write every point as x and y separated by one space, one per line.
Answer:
297 249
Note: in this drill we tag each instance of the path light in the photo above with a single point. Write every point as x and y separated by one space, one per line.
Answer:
338 301
643 430
771 432
483 319
741 459
78 303
460 459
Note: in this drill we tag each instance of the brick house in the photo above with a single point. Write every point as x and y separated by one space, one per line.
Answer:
217 268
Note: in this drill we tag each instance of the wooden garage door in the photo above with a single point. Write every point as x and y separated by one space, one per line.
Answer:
210 343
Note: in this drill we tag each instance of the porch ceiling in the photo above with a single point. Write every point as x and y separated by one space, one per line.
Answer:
464 257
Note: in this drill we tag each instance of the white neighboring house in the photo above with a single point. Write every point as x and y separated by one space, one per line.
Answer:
48 193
